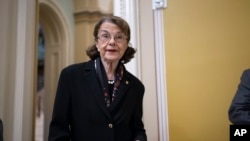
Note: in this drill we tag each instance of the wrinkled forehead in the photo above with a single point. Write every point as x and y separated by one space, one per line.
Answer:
121 24
111 32
110 27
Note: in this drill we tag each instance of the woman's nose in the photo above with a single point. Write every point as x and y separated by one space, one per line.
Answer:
112 41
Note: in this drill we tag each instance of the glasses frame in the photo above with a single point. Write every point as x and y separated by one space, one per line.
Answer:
106 37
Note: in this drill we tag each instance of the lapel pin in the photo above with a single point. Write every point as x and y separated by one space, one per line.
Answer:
127 82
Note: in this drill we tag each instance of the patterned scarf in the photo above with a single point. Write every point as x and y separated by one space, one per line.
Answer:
109 98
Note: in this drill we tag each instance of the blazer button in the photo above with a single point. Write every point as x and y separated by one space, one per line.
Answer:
110 125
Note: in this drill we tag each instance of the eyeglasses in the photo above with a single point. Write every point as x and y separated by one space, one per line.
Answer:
105 37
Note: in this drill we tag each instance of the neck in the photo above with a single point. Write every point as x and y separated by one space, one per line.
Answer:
110 68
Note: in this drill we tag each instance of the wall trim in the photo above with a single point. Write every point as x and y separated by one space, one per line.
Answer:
20 65
161 75
127 9
24 70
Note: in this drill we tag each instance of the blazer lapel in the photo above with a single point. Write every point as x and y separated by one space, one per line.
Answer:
96 88
122 90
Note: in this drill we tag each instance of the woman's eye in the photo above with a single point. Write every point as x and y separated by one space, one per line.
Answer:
119 37
105 35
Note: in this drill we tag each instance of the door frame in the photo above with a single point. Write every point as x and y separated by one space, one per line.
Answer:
58 52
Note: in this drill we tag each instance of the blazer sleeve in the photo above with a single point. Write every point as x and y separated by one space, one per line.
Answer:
59 129
239 111
137 123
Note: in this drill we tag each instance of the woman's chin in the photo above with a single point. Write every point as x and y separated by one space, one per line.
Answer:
111 59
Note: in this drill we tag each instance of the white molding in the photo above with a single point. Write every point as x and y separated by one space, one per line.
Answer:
24 71
127 9
161 76
19 74
159 4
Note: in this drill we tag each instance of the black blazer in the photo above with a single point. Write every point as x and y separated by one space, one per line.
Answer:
80 112
239 111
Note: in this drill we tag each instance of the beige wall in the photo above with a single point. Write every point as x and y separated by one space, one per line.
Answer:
86 14
207 48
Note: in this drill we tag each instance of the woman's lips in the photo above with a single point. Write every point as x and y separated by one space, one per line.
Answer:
111 50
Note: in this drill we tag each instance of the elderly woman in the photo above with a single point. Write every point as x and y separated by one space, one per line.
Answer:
100 100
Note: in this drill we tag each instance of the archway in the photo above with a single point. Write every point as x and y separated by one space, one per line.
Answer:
58 54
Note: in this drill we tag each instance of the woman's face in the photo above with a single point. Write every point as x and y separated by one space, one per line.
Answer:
111 42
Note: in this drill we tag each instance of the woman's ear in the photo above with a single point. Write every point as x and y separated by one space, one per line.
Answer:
97 47
96 44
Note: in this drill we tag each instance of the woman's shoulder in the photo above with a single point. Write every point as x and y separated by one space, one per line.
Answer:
78 66
134 79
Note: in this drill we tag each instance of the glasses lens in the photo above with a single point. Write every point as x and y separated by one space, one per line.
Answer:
119 38
105 37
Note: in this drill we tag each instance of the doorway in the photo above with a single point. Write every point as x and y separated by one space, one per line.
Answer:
54 53
39 120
